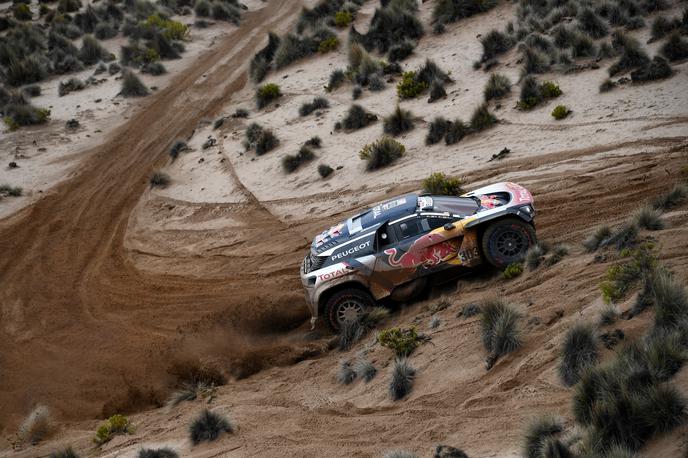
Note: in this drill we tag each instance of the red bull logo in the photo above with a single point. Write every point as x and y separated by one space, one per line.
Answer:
427 257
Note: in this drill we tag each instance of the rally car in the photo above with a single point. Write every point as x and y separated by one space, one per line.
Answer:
391 250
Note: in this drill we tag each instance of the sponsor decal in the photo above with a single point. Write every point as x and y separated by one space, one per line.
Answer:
424 202
352 250
336 274
469 254
521 194
378 209
426 257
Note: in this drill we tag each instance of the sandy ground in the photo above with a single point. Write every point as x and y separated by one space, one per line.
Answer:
116 286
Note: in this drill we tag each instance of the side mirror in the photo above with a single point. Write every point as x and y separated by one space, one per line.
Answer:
449 226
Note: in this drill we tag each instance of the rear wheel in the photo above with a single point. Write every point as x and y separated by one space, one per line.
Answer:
506 241
347 306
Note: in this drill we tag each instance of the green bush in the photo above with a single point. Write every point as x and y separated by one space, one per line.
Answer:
497 86
482 119
292 162
116 424
409 87
381 153
266 94
440 184
513 270
533 93
328 44
18 115
22 12
401 341
399 122
343 18
620 278
173 30
560 112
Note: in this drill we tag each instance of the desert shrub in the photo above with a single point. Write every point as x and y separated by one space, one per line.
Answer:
357 92
267 141
10 191
607 85
328 44
497 86
260 64
381 153
114 68
436 91
431 72
391 24
357 118
534 61
671 301
437 130
663 26
132 86
315 142
435 321
578 353
116 424
65 453
399 454
325 170
537 433
440 184
294 47
399 122
631 54
318 103
92 52
17 115
560 112
592 24
608 315
157 453
24 71
659 68
410 87
208 426
500 333
495 43
160 180
535 255
564 36
605 51
446 11
676 196
177 147
190 392
649 218
197 371
343 18
601 234
402 378
675 48
625 236
266 94
240 113
558 253
401 51
22 12
470 310
583 46
376 83
513 270
364 369
104 31
456 130
222 11
292 162
482 119
533 93
154 68
71 85
38 425
202 8
346 374
620 278
401 341
33 90
550 90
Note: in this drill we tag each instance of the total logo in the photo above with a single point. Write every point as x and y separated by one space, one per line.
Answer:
350 251
332 275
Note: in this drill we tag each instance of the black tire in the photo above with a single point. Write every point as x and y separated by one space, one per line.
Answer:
506 241
347 305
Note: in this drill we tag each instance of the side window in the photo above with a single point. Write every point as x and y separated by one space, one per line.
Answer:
411 228
436 222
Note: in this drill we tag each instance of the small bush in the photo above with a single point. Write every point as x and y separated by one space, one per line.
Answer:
495 43
482 119
202 8
92 52
534 61
154 68
608 315
446 11
437 91
560 112
315 142
402 379
267 141
364 369
328 44
456 130
221 11
325 170
437 130
266 94
676 196
601 234
318 103
294 47
160 180
357 118
346 374
497 86
292 162
22 12
631 54
513 270
190 392
649 218
17 115
409 87
557 255
38 425
620 278
675 48
658 69
399 454
401 341
537 433
116 424
578 353
401 51
71 85
343 18
10 191
381 153
178 147
671 301
440 184
399 122
533 93
66 453
607 85
663 26
592 24
240 113
535 255
208 427
376 83
104 31
337 78
500 333
132 86
157 453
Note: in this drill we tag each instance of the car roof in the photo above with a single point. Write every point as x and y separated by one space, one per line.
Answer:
385 211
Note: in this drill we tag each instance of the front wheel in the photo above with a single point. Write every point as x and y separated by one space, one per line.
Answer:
506 241
347 306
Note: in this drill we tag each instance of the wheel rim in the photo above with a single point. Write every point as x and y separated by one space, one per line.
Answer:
349 311
511 243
